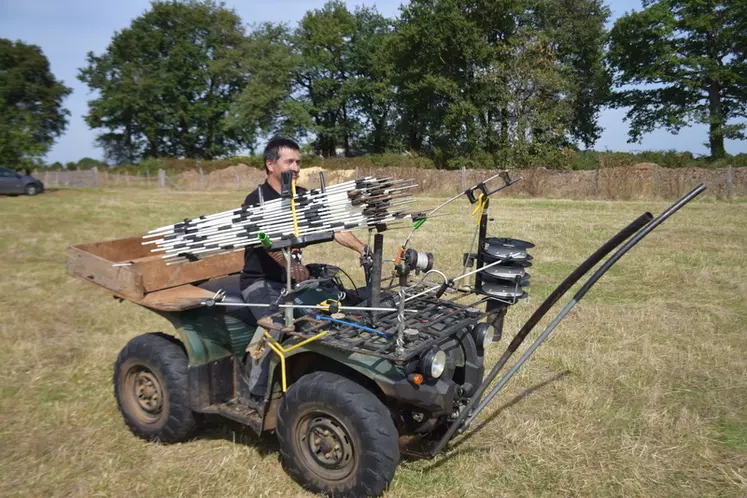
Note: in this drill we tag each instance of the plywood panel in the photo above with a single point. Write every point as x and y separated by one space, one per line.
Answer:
158 275
118 251
95 269
176 299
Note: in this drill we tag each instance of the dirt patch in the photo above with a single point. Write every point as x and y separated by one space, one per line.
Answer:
239 177
639 181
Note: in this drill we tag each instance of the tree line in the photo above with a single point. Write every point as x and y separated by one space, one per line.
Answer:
446 79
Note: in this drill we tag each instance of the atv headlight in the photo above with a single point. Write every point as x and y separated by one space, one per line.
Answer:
483 334
433 363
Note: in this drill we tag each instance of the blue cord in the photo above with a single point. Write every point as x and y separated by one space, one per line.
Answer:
362 327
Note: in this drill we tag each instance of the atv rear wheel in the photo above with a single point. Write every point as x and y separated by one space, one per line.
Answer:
336 437
151 388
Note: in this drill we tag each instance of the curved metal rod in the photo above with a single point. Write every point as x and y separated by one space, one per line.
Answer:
447 202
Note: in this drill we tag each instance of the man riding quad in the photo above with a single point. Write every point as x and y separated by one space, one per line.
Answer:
263 277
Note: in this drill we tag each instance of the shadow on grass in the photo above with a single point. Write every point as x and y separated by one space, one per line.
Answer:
453 449
217 428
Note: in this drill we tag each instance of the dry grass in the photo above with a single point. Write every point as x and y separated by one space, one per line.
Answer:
642 391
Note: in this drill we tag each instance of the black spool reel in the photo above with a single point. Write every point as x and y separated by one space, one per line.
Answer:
506 280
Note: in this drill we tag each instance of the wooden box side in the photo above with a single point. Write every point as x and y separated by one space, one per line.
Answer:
98 270
157 275
118 251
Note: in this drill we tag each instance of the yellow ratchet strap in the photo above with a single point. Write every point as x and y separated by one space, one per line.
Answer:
281 351
293 206
482 201
324 305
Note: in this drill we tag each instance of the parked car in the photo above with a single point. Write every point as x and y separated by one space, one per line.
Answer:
12 182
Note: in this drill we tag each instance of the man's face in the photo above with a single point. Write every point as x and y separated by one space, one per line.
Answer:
289 160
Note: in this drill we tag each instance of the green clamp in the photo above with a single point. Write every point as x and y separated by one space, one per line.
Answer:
264 239
419 223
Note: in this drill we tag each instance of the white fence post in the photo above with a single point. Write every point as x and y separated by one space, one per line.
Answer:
161 179
729 181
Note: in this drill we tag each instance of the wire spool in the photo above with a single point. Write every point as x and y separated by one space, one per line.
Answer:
503 291
419 260
508 272
507 279
506 249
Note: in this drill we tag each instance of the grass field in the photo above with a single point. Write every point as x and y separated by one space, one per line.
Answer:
642 391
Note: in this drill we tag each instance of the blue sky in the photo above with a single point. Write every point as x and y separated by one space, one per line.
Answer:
67 29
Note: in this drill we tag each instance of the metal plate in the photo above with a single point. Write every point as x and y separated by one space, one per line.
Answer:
506 253
508 242
506 272
503 291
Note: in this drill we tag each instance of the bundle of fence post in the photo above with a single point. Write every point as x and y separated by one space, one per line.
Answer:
362 203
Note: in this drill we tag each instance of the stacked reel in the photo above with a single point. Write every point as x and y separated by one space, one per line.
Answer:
507 279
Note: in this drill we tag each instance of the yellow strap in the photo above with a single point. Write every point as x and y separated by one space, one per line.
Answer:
281 351
482 201
324 305
293 206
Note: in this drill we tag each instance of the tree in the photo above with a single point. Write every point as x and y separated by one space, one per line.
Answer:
679 62
578 34
480 76
31 98
325 79
373 70
167 83
267 105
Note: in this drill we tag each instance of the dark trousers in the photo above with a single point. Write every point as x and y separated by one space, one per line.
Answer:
262 292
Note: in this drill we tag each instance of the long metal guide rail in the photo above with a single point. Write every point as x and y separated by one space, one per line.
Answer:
435 321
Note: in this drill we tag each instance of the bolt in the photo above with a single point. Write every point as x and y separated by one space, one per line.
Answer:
317 441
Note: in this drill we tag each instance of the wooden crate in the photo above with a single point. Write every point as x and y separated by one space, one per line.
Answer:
147 279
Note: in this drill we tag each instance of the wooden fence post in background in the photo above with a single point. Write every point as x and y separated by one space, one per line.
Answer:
46 180
728 183
655 173
147 178
596 181
161 179
95 173
464 178
202 179
57 178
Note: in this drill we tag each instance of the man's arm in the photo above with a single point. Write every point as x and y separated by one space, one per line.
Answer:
350 241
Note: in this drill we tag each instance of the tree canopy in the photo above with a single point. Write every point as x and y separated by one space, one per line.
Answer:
166 84
32 114
483 79
691 55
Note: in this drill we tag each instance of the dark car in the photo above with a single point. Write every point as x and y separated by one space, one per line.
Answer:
15 183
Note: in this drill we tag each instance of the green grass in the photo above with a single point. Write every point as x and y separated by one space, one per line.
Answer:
642 390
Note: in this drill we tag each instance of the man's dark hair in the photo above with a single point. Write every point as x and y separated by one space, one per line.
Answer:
272 149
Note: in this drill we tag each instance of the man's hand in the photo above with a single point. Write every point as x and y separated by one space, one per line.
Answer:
350 241
366 258
299 272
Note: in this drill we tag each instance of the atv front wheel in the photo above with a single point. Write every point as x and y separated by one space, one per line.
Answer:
151 387
336 437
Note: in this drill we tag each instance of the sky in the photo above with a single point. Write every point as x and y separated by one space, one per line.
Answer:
66 30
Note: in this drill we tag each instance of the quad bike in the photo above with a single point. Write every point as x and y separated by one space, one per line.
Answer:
353 383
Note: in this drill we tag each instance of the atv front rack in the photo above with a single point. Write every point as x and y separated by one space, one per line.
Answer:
433 322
